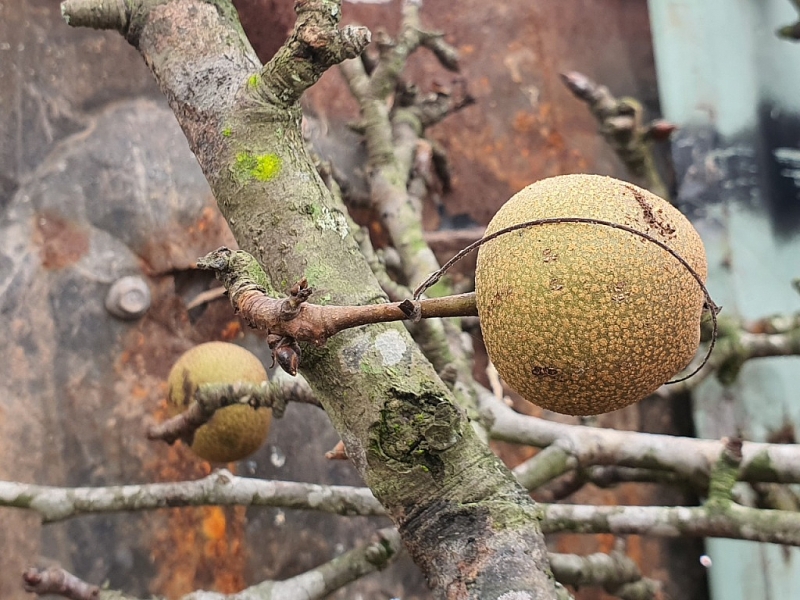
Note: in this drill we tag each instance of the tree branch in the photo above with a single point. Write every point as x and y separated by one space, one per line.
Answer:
209 398
734 522
224 489
615 573
307 322
691 458
219 488
58 582
621 125
314 584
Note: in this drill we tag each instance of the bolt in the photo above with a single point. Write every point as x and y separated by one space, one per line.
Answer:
128 298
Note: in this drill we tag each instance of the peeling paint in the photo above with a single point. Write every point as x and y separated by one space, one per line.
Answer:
391 346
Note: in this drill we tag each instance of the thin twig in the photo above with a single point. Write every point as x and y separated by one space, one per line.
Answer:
620 121
314 584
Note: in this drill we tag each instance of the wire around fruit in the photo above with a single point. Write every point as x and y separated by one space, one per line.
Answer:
595 304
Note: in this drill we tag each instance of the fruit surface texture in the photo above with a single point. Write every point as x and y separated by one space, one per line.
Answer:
233 432
582 318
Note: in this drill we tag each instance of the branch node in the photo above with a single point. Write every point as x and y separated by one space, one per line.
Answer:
286 352
299 293
338 452
412 310
725 473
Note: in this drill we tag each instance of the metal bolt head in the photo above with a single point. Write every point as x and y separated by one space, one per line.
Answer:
128 298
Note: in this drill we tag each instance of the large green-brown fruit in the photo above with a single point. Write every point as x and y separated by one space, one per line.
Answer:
582 318
234 432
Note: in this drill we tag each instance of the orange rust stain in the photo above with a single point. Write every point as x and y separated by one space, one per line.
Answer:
124 357
634 550
195 547
214 524
606 542
207 219
140 392
555 141
231 331
61 242
524 122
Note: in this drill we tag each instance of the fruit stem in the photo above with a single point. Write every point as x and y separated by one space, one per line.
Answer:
308 322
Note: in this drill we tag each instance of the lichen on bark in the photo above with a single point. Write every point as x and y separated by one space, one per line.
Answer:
470 526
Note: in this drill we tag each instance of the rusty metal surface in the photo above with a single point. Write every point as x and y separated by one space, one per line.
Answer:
525 125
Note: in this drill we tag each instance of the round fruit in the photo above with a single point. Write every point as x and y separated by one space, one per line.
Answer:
583 318
234 432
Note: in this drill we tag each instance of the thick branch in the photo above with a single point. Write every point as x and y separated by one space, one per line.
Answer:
397 419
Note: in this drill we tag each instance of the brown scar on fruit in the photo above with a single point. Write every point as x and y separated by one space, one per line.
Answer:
538 371
650 218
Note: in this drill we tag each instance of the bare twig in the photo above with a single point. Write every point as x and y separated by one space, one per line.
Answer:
205 297
314 584
691 458
209 398
313 322
615 573
544 466
620 121
734 522
221 488
338 452
58 582
603 477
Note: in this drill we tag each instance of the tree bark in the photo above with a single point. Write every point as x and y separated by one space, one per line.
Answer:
465 520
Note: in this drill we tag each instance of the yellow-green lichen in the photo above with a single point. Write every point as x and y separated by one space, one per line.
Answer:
227 132
252 81
261 167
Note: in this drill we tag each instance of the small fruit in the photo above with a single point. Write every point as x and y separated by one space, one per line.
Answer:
234 432
583 318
